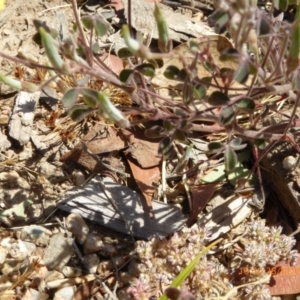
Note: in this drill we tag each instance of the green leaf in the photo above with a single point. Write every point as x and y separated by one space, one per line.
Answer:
168 125
164 40
189 268
216 175
229 54
281 4
157 63
79 112
182 163
226 116
218 99
87 22
125 74
51 49
238 173
215 147
69 98
90 97
108 110
179 135
194 46
146 69
219 18
260 144
100 25
246 105
199 91
236 144
230 158
242 73
124 53
293 59
166 148
171 72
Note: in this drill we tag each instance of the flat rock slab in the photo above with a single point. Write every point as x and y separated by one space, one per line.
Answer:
91 202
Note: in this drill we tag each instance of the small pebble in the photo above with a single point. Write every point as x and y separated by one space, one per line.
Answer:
78 227
93 244
289 162
91 262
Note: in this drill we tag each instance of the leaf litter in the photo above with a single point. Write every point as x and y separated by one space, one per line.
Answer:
51 176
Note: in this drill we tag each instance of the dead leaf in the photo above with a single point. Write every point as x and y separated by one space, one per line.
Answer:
285 279
215 43
144 179
201 194
117 4
113 62
142 149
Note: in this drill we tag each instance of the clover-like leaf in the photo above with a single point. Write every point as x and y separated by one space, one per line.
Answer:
236 144
166 148
247 105
179 135
171 72
79 112
218 98
100 24
168 125
125 74
215 147
230 158
199 91
226 116
242 73
69 98
90 97
124 53
260 143
146 69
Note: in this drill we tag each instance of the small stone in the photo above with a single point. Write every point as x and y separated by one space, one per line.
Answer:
65 293
93 244
289 162
78 227
20 250
123 295
108 250
11 176
79 178
10 265
32 294
37 234
4 119
104 267
48 170
91 262
58 252
3 254
126 278
70 272
54 275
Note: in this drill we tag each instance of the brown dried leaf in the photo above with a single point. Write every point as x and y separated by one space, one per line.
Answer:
201 194
144 179
285 279
144 150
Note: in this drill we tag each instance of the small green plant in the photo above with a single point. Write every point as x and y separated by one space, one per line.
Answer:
267 53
